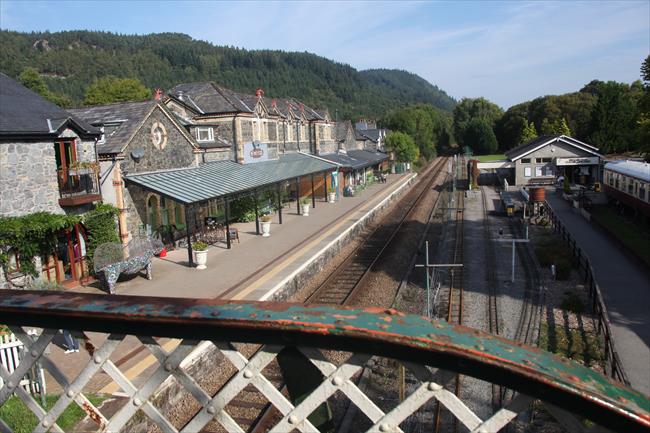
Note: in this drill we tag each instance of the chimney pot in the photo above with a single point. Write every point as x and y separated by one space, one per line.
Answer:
158 94
259 92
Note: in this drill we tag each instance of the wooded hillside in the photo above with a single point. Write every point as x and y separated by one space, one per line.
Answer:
71 61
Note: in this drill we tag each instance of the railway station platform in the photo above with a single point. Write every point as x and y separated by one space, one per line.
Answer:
253 269
625 288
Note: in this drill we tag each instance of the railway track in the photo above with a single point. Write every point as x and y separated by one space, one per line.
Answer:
455 292
247 410
492 284
348 278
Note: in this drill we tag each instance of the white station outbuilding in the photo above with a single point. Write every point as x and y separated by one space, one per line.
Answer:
543 160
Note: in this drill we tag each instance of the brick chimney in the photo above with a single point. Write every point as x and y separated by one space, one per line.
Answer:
259 92
157 94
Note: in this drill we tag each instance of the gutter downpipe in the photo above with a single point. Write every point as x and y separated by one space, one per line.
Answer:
118 184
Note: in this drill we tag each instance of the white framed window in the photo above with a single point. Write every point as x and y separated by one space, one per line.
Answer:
527 171
204 134
538 171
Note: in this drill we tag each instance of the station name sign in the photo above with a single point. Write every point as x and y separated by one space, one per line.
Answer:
255 152
591 160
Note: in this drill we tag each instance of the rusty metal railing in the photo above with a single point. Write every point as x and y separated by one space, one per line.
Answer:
419 344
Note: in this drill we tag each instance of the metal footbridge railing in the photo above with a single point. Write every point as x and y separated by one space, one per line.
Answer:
429 350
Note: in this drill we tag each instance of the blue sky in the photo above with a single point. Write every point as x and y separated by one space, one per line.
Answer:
508 52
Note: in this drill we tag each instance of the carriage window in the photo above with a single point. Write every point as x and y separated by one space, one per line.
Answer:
629 187
642 192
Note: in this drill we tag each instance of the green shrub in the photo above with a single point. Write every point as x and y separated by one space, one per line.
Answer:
199 246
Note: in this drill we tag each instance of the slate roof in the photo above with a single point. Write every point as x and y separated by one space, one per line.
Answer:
221 178
129 116
522 150
208 98
368 134
125 118
372 157
24 113
344 160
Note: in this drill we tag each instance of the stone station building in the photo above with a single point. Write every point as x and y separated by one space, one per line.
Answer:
47 164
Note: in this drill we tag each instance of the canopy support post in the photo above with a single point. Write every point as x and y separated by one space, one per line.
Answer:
279 204
190 257
298 194
257 214
227 222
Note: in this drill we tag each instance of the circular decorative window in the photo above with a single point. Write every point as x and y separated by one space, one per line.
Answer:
158 135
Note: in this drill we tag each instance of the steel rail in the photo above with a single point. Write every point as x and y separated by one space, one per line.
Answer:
492 282
356 272
257 425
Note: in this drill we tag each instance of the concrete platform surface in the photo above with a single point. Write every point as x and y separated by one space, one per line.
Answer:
626 292
250 270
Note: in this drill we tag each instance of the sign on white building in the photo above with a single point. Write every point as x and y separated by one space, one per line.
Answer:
591 160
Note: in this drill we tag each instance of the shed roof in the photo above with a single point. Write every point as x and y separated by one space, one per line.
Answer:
26 113
543 140
222 178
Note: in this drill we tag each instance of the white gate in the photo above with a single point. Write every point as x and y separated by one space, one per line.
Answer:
11 352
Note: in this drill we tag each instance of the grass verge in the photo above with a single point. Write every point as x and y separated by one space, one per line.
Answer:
583 347
486 158
635 237
21 420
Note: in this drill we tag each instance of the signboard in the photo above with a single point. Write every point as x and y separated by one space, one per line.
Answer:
255 152
591 160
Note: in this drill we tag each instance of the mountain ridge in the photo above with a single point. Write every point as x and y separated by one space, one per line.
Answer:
69 61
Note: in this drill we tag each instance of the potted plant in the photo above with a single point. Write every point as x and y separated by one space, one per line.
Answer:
304 206
331 194
200 254
266 225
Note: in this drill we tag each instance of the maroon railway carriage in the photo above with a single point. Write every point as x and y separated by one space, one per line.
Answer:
629 183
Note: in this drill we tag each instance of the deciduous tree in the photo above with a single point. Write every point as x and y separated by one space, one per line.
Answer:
480 137
469 109
112 89
403 145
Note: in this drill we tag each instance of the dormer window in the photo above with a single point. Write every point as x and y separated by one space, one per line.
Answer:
204 134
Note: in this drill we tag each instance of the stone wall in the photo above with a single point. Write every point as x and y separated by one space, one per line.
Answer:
177 153
219 155
28 179
28 176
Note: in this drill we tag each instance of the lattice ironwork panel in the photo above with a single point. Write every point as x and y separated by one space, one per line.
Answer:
335 346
